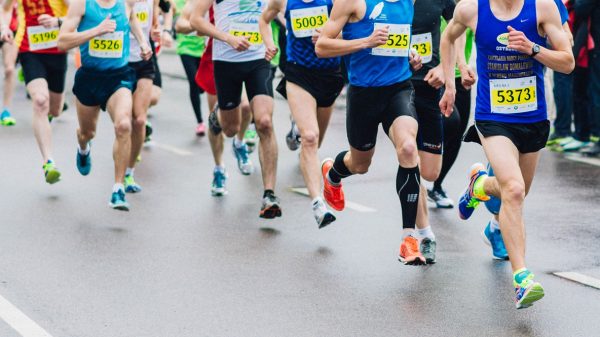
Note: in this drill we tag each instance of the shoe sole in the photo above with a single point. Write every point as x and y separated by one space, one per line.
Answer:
132 191
219 193
271 212
327 219
52 177
534 294
124 208
487 242
430 199
417 261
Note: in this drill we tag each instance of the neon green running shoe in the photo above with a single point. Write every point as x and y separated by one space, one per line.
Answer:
527 292
131 186
251 138
6 119
51 172
594 139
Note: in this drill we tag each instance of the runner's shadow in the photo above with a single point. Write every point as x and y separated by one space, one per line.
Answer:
268 232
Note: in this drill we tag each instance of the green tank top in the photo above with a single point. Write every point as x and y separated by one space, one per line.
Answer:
188 44
468 45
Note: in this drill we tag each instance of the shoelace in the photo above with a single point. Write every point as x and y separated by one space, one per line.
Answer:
219 178
243 152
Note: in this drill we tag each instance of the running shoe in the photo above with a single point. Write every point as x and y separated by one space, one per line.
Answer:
218 184
593 151
270 207
118 202
251 137
244 163
6 119
594 139
468 200
200 130
65 106
528 292
84 163
439 197
149 131
428 248
494 240
322 215
51 172
555 139
213 121
575 145
333 194
493 205
130 185
410 253
292 139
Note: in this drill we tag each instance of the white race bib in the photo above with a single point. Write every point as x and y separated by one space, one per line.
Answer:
107 45
512 96
42 38
398 42
305 21
423 44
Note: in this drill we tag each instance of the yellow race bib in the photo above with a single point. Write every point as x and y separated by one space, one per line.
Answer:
42 38
249 30
510 96
107 45
305 21
422 43
398 42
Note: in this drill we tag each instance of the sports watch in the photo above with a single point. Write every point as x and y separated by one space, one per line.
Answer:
535 49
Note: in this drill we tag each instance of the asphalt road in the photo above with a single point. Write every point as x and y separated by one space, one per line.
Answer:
185 264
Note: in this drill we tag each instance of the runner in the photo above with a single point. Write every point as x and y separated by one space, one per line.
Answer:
311 85
239 60
9 60
44 67
510 114
105 81
376 42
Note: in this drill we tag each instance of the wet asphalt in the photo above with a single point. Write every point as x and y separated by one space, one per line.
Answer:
184 264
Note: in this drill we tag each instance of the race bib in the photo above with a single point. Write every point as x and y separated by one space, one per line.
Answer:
247 29
305 21
107 45
422 43
142 12
511 96
42 38
398 42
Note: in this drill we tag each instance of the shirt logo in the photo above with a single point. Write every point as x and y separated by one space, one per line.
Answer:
503 39
524 20
376 11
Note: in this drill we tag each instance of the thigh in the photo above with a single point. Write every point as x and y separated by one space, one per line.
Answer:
9 55
87 116
363 113
33 68
259 81
528 163
56 102
120 105
56 66
303 107
190 66
142 96
430 137
229 82
38 87
504 156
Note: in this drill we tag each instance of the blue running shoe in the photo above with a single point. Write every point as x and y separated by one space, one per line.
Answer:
131 186
218 184
244 163
468 201
118 202
84 163
527 292
6 119
494 240
493 205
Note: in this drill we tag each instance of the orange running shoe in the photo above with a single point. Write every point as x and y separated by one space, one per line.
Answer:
333 194
410 253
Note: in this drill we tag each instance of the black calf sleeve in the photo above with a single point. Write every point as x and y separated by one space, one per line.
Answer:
408 181
339 170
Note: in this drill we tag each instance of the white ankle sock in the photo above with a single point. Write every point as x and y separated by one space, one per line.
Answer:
238 143
129 171
117 187
425 233
494 225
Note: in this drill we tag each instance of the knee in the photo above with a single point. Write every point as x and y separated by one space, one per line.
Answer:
123 127
87 134
407 151
40 102
264 125
9 71
139 122
230 130
310 139
430 174
513 192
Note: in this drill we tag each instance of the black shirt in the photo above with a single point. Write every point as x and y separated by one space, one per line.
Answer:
426 31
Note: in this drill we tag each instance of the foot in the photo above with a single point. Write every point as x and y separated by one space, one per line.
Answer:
410 253
218 184
593 151
555 139
213 121
84 163
468 200
51 173
270 207
241 155
293 138
438 195
118 202
200 130
494 240
428 248
251 138
575 145
332 193
131 186
322 215
6 119
528 292
149 131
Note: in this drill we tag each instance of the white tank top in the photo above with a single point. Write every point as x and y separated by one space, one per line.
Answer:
239 17
143 9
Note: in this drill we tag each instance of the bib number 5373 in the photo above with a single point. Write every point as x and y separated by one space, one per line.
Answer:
515 95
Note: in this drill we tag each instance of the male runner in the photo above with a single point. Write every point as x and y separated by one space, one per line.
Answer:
9 60
44 67
239 59
105 81
510 114
311 84
376 39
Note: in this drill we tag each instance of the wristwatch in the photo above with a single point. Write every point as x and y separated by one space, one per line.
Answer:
169 31
535 49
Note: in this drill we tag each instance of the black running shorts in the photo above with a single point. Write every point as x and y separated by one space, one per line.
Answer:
94 88
369 107
324 85
231 76
51 67
528 138
143 69
430 137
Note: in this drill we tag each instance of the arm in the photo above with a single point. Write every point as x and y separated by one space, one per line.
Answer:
5 33
182 25
156 30
273 8
200 23
167 29
136 30
328 45
467 75
69 37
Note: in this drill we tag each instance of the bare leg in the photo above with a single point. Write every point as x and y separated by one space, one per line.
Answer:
141 102
40 97
216 141
120 106
9 57
262 107
88 121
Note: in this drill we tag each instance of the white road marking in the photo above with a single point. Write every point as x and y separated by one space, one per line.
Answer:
172 149
19 321
582 159
349 204
580 278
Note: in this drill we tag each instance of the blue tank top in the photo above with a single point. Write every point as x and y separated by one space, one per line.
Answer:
387 64
511 85
302 18
108 51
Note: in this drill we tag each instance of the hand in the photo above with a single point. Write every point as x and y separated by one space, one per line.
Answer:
156 34
378 37
6 35
167 39
146 52
414 59
467 76
239 43
47 21
316 35
435 77
271 51
519 42
447 101
106 26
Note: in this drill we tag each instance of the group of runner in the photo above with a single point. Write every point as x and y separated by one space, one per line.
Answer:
402 73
